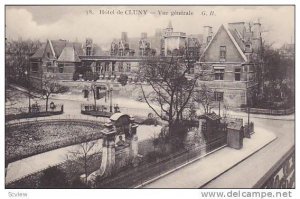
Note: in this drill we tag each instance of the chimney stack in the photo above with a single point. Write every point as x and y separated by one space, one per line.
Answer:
124 36
256 29
207 34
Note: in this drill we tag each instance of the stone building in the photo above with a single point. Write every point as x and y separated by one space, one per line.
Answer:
172 40
230 59
73 60
59 57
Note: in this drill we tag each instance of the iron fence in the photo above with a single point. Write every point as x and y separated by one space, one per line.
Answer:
135 176
58 118
287 111
34 108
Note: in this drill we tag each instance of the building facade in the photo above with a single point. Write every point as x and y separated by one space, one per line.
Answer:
59 57
229 60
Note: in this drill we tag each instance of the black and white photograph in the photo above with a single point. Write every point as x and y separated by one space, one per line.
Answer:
149 96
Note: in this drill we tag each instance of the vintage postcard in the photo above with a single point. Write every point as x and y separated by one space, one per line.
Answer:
150 96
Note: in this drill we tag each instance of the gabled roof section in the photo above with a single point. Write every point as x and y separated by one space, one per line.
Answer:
231 38
52 49
40 52
61 50
58 46
68 55
211 116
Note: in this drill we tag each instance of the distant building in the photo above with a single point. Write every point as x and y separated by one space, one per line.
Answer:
172 40
56 56
73 60
230 59
122 46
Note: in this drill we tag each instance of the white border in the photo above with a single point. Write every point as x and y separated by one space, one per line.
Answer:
132 194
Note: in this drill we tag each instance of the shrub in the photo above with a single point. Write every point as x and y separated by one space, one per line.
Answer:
150 121
96 77
53 177
76 76
153 156
123 79
78 184
88 75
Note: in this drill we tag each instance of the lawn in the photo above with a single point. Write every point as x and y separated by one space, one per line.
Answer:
34 138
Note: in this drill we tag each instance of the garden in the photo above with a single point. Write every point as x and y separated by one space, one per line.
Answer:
33 138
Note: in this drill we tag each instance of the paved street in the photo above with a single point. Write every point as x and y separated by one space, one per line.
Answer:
198 173
237 177
259 163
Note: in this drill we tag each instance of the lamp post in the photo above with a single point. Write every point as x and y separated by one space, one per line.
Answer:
28 85
248 108
110 106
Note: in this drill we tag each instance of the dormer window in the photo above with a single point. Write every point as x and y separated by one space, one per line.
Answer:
222 53
248 47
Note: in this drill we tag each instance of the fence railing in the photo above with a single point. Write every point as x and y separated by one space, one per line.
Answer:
57 118
132 177
102 109
266 111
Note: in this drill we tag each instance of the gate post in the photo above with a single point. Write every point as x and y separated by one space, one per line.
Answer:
108 150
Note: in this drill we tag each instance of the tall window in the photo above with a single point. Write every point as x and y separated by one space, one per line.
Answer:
219 74
222 53
88 51
60 68
34 67
237 74
49 68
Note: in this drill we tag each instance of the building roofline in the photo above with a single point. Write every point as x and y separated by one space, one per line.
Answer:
51 47
232 39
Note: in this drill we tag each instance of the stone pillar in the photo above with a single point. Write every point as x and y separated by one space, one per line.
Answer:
134 141
108 150
108 155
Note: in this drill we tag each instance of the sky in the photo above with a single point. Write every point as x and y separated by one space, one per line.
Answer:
77 23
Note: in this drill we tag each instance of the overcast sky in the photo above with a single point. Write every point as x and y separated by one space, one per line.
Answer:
73 22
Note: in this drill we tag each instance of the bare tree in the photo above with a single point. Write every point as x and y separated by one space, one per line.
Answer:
82 155
204 96
50 85
17 54
171 89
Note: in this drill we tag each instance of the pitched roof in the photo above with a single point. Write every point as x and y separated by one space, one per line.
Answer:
234 123
68 55
40 51
210 116
231 38
58 46
62 50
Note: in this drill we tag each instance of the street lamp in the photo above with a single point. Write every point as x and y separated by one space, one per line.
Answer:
110 106
28 85
248 107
